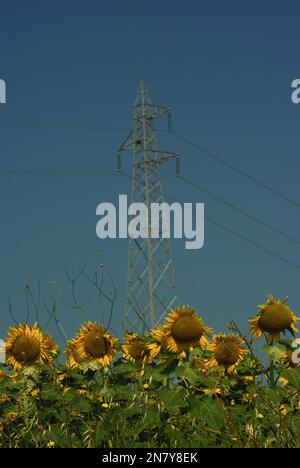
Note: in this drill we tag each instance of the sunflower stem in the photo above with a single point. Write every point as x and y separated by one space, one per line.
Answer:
272 371
272 375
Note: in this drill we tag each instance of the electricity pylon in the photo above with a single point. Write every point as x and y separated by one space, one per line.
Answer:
151 285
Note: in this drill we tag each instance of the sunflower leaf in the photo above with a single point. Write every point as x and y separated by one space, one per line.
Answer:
293 377
173 399
190 374
209 412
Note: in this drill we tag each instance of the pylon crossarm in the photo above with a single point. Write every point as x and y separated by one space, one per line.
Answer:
152 111
160 159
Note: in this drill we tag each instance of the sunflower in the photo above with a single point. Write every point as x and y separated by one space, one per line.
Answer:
27 345
49 342
227 352
273 318
159 344
183 331
136 350
93 343
73 357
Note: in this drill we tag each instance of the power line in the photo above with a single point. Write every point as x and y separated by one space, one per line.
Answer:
181 137
237 170
97 173
255 244
57 172
121 173
63 127
240 210
236 234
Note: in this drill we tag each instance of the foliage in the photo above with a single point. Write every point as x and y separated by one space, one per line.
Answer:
176 387
169 403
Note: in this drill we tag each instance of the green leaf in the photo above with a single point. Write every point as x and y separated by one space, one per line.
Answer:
173 399
189 374
275 353
293 377
50 393
210 413
70 395
168 367
82 406
296 425
32 372
274 395
121 392
152 416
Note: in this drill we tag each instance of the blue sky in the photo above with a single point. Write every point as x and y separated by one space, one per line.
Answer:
225 69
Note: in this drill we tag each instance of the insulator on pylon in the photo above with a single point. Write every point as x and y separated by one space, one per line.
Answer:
119 162
169 121
177 165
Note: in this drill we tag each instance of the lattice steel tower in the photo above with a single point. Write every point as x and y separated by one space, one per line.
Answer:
151 285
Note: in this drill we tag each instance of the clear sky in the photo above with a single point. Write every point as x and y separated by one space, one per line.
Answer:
225 69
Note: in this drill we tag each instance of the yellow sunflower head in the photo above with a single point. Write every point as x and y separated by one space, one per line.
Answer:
27 345
93 343
183 331
136 350
74 359
51 345
227 351
273 318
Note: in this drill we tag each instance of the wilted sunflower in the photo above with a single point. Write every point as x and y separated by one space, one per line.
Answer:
159 344
183 330
93 343
135 349
273 318
27 345
227 352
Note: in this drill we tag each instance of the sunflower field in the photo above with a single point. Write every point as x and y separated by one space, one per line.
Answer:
179 386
